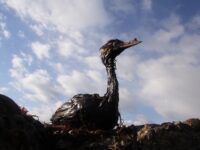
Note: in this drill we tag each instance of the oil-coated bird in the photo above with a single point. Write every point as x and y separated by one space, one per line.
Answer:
91 110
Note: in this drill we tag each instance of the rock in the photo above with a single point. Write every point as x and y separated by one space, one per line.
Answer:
20 131
193 123
169 136
146 133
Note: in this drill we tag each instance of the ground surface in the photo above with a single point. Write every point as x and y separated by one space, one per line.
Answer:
22 132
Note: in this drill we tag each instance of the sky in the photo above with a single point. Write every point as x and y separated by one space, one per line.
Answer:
49 51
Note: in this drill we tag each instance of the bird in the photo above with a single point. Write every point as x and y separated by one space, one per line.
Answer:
93 111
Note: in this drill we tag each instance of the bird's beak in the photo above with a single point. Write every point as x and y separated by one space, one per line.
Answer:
130 43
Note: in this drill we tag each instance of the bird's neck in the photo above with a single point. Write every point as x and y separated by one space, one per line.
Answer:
112 85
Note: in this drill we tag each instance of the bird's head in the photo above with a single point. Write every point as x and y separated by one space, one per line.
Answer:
113 48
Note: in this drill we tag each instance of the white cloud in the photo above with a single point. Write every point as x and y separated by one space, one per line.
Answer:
18 68
139 120
40 50
17 61
147 5
127 100
194 24
6 33
38 29
58 67
77 37
171 87
62 15
170 82
127 66
167 80
98 80
3 27
39 86
36 85
164 39
72 84
3 89
68 48
94 62
79 82
44 112
124 6
21 34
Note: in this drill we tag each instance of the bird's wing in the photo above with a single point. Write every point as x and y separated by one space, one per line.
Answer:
70 109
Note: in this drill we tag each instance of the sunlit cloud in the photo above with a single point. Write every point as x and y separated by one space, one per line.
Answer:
40 50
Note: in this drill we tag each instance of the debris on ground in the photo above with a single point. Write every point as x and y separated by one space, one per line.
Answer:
22 131
167 136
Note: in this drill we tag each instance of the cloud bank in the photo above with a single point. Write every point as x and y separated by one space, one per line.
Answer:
161 74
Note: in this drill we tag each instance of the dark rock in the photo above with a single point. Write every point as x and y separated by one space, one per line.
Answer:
19 131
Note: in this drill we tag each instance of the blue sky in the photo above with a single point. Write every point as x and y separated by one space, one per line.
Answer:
50 52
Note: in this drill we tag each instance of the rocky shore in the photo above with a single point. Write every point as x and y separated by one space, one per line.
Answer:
24 132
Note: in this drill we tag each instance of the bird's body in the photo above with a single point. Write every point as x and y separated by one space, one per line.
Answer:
87 110
91 110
